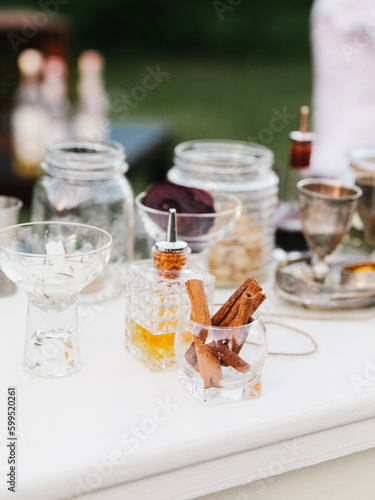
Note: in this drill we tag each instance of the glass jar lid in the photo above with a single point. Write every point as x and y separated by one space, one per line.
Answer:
83 159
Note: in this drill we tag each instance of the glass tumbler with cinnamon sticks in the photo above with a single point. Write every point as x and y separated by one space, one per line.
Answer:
221 351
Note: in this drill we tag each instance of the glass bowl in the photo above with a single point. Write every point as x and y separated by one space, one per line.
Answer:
200 231
52 262
232 360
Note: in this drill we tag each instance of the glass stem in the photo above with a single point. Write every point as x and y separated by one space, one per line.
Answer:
52 345
320 269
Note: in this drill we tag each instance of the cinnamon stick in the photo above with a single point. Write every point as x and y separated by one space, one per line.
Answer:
228 355
242 318
208 364
226 314
224 309
258 299
207 361
199 314
231 358
241 315
199 307
191 355
245 305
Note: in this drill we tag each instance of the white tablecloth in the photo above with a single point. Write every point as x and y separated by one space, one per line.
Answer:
117 424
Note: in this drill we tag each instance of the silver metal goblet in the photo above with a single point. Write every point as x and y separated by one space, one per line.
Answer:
326 210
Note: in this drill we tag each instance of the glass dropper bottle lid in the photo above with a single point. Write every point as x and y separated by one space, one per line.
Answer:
170 254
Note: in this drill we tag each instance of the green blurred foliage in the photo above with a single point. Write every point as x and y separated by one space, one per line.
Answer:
229 67
270 29
222 99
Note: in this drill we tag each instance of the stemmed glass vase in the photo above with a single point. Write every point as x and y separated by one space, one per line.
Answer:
52 262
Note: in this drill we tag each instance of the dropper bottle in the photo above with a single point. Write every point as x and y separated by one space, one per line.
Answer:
289 235
301 142
157 299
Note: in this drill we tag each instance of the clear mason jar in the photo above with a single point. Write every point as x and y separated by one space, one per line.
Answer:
245 170
84 181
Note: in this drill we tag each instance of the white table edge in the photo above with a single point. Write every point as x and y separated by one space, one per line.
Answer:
243 468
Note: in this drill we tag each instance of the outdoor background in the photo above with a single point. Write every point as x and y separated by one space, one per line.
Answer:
230 64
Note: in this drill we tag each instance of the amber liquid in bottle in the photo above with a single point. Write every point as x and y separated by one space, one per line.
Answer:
158 345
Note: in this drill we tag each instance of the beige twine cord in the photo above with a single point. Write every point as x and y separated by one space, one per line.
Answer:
317 318
297 330
302 332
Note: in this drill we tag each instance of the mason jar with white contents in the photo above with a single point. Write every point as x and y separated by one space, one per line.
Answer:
243 169
84 181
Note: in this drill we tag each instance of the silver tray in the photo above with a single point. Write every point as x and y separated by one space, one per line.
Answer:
295 283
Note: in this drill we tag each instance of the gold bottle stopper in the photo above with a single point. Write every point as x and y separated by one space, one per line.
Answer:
170 254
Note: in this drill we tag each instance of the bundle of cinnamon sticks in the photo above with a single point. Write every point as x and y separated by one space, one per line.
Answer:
207 355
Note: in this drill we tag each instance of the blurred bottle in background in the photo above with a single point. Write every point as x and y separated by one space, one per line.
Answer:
29 117
289 236
55 98
91 121
301 141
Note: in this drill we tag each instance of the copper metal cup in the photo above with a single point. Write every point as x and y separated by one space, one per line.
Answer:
326 210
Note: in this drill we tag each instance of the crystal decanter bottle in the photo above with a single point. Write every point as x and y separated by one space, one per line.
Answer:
157 299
